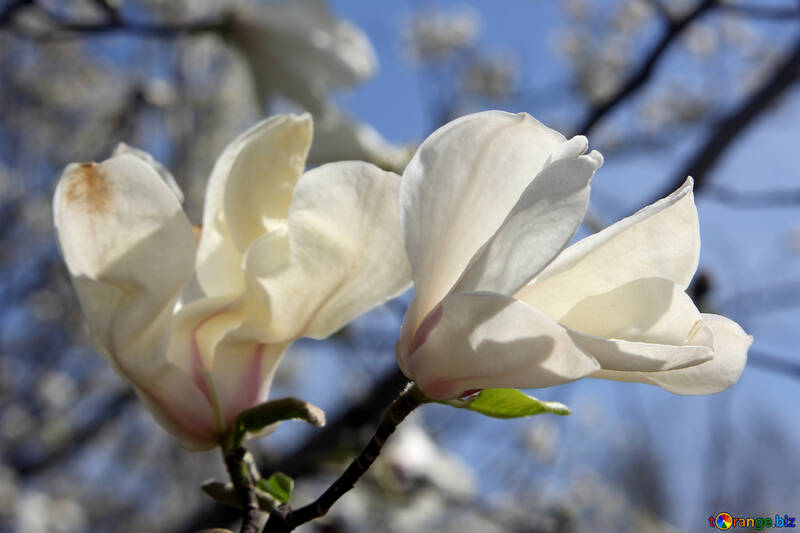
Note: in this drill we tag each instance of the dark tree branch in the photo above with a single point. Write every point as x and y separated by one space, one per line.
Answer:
643 73
7 14
762 12
64 28
753 199
774 363
106 7
732 125
283 520
243 483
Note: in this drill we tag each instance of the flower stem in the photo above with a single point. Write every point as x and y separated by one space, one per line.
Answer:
244 485
283 519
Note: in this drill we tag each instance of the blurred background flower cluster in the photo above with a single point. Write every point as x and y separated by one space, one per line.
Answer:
663 89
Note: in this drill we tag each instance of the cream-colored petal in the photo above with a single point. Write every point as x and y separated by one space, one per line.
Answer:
729 344
457 191
540 225
129 249
160 169
661 240
179 406
248 194
651 310
617 354
345 252
486 340
243 371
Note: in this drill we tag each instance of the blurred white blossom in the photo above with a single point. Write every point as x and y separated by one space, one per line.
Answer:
432 35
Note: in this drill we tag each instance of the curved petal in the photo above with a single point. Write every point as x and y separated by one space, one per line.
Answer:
632 356
661 240
160 169
129 249
491 340
540 225
651 310
729 344
242 372
248 194
344 247
179 407
458 189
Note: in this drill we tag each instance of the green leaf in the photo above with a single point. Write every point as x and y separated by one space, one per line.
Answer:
257 418
278 485
511 403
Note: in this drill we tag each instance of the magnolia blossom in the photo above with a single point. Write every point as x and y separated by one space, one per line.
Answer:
199 329
488 204
298 49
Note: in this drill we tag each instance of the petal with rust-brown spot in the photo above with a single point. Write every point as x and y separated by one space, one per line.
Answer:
88 186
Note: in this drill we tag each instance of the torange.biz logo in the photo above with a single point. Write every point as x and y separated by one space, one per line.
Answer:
727 521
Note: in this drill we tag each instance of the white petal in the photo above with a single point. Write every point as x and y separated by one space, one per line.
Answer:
652 310
129 248
539 226
457 190
217 343
248 194
242 373
344 248
160 169
662 240
617 354
729 344
179 406
490 340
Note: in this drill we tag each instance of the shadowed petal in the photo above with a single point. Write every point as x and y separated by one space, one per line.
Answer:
489 340
344 249
248 194
539 226
729 344
662 240
457 191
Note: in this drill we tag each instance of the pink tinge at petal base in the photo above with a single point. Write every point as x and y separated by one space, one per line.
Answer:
424 330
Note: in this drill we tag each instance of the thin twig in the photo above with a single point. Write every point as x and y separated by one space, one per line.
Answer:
305 459
283 519
754 199
243 482
11 9
781 365
643 73
783 14
65 29
728 129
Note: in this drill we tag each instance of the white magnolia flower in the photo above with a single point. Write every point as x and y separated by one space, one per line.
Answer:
282 254
488 203
298 49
